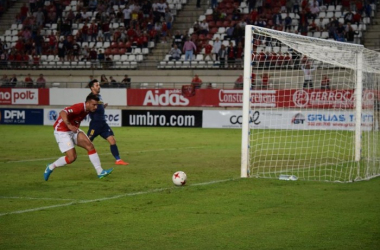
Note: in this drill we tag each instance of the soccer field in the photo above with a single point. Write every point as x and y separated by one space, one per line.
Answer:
138 207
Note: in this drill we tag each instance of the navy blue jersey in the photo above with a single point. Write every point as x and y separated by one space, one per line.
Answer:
98 124
99 114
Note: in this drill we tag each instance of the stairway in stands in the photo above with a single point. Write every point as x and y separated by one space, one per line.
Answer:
372 35
184 20
8 17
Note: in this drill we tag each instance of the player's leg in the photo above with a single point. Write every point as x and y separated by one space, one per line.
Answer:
109 136
83 141
66 144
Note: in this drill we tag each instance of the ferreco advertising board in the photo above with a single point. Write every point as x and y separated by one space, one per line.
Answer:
274 119
113 117
21 116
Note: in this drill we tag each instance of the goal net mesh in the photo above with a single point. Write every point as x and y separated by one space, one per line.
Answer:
302 118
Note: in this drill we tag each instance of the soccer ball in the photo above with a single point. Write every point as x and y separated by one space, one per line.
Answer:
179 178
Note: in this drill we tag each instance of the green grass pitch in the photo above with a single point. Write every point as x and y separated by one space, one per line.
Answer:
138 207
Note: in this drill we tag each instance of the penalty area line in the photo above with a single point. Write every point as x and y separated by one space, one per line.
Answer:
76 202
127 152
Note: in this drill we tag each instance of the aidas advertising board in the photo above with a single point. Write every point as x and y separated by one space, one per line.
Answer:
113 117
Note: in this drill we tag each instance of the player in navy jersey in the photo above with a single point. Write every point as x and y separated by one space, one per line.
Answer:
99 126
68 134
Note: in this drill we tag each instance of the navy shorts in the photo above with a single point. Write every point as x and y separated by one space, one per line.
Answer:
97 128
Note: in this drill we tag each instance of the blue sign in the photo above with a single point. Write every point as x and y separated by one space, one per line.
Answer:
22 116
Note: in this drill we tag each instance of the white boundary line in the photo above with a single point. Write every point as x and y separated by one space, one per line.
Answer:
127 152
108 198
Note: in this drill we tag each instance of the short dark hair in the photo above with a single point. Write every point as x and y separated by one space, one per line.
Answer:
91 96
91 83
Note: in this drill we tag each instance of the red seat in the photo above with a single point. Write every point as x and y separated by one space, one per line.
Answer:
219 24
209 18
209 36
226 23
213 30
201 37
113 45
121 45
108 51
114 51
122 51
211 24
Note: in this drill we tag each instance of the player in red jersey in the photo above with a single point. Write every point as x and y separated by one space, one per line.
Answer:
68 134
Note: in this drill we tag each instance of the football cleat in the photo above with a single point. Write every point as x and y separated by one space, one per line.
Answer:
47 172
104 173
121 162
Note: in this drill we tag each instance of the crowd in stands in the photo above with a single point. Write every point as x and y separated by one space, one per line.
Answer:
97 30
219 35
28 82
78 31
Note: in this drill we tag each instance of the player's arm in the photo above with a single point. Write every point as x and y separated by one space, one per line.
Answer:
105 105
65 119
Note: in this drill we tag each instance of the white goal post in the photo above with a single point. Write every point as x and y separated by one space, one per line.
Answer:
310 108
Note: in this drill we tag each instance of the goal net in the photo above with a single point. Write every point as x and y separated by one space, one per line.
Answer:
310 108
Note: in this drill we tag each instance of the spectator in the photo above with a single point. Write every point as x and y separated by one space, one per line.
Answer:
3 59
24 10
288 23
350 33
4 81
101 58
108 62
239 55
113 83
93 31
40 17
239 82
127 16
196 82
28 81
188 49
208 51
126 82
175 53
104 83
231 55
325 83
13 80
169 21
348 17
253 81
177 39
203 28
222 56
216 47
265 80
308 77
41 82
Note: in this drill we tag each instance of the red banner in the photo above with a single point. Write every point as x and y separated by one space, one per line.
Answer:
289 98
19 96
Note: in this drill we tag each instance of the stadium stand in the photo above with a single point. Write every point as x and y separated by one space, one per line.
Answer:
227 20
90 34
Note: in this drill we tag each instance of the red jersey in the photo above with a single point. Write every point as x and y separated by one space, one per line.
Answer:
208 49
75 114
265 79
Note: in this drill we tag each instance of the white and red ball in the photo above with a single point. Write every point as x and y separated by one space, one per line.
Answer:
179 178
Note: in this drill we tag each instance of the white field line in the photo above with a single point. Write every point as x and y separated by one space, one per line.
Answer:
34 198
127 152
109 198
